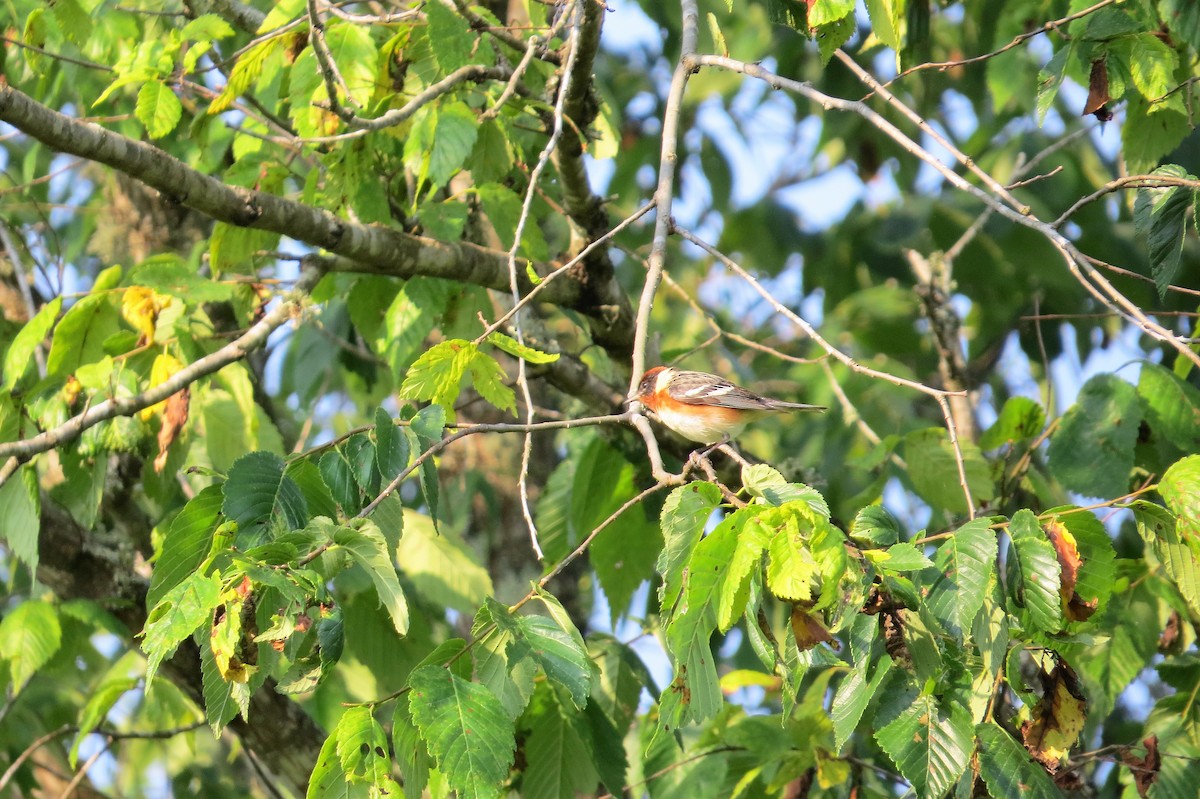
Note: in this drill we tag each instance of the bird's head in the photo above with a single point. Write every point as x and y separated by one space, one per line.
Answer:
652 381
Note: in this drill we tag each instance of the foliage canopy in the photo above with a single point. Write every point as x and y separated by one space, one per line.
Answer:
318 320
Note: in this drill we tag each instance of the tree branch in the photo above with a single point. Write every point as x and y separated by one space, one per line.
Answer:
18 451
664 196
372 249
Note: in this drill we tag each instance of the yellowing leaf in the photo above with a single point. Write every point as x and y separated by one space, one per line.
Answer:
161 370
140 307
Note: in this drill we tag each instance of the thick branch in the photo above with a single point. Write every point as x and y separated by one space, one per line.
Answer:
374 249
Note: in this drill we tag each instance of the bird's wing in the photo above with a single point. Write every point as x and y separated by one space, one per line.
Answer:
699 388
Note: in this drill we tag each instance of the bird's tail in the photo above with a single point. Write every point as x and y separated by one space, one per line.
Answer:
781 405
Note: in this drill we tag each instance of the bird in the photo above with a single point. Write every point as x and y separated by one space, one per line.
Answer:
704 408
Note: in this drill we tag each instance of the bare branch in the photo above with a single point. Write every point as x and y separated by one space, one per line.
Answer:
1077 263
663 199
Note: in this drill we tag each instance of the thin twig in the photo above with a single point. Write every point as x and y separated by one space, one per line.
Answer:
441 444
568 74
962 62
529 297
663 199
1077 263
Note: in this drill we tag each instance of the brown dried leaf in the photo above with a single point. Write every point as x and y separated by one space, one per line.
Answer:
1145 769
175 416
808 630
1098 96
1169 640
1058 717
1067 551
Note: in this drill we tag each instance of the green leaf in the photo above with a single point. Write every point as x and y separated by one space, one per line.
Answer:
1115 663
232 248
21 510
1161 215
517 350
684 515
186 543
492 158
854 696
695 693
158 108
1160 529
762 481
556 649
411 753
1152 64
182 611
409 319
791 569
488 378
247 70
1006 768
1180 487
391 447
887 21
503 209
1050 79
338 474
206 28
753 539
362 747
1172 407
427 426
903 557
438 374
79 337
1092 452
1149 137
875 526
929 744
317 496
1037 572
29 636
257 491
441 568
511 680
443 220
450 38
466 728
367 546
558 750
329 780
624 553
454 138
1021 419
169 274
934 471
356 57
833 35
965 561
824 12
75 22
19 356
